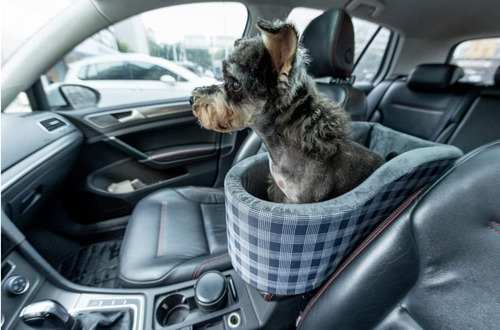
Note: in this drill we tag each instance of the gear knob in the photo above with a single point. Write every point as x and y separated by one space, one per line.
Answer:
48 314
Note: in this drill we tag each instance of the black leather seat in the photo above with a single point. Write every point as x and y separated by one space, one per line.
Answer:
428 104
481 122
433 264
175 234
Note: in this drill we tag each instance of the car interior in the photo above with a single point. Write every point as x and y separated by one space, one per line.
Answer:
121 217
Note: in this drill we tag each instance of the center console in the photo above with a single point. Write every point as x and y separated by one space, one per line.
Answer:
214 301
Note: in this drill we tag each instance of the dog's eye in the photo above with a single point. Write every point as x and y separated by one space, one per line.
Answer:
236 86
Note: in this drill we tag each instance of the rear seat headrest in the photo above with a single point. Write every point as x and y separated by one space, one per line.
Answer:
434 77
496 78
329 38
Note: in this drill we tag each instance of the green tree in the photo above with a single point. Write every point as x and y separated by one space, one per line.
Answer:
123 47
199 56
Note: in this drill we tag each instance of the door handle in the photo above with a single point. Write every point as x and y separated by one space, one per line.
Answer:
127 148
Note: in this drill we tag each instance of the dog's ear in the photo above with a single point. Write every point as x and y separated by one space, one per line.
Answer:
281 40
237 42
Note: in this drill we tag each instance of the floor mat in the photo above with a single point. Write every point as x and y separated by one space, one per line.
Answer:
94 265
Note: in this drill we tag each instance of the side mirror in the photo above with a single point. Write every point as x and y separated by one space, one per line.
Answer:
79 96
168 79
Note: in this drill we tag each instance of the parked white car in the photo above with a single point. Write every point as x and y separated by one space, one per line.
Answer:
132 78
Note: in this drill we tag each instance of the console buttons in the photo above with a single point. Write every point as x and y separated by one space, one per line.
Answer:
17 285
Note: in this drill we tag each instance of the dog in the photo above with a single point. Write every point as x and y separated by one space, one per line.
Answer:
267 88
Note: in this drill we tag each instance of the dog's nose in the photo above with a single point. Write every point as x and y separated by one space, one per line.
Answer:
191 100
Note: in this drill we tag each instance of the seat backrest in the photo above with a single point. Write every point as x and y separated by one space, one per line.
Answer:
432 264
428 104
481 123
329 39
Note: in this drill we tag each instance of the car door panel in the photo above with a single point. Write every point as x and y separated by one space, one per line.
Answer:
156 145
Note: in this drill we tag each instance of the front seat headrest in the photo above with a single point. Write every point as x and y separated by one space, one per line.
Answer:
329 38
434 77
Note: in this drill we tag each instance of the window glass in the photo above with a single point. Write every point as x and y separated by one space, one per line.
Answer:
479 58
104 71
147 71
187 42
369 65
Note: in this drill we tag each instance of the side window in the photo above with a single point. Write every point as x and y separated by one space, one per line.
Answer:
105 71
479 58
188 42
370 57
370 42
147 71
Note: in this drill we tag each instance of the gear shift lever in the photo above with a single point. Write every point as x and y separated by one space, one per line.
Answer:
48 314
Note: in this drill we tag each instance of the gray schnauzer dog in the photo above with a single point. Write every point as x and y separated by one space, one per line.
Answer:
267 88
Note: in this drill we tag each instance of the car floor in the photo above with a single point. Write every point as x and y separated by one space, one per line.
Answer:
93 265
85 254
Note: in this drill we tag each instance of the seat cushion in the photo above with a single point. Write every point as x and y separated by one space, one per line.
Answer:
174 235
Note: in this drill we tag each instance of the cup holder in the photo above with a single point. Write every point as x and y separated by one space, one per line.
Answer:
173 309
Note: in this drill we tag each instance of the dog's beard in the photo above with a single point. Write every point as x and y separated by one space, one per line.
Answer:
215 113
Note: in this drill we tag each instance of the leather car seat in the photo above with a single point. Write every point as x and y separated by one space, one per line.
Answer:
433 264
176 234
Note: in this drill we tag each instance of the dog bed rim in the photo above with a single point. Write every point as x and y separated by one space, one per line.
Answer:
234 186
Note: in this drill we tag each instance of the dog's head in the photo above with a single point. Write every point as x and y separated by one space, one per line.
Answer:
258 72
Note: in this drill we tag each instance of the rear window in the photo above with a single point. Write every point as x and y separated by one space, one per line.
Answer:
370 42
479 58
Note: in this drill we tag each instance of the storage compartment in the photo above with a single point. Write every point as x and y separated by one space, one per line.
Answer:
289 249
139 176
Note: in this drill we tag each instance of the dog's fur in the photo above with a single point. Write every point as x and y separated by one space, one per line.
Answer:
267 88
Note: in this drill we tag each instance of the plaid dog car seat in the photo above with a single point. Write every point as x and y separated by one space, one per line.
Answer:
289 249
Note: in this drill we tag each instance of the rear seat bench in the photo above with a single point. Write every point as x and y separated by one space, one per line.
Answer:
481 123
433 105
428 104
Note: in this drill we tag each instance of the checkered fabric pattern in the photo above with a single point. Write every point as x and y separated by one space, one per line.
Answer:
292 253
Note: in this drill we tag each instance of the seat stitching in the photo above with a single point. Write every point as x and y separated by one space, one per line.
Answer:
202 265
360 249
159 250
204 228
496 231
495 223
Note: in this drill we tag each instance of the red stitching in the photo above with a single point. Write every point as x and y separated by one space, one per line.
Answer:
200 267
494 222
360 249
159 249
496 231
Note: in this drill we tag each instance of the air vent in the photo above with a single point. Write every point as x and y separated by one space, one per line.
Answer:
52 124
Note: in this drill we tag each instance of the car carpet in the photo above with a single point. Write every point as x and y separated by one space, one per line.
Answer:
94 265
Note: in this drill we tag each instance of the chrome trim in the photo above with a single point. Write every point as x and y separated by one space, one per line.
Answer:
44 309
134 115
235 324
36 159
138 322
140 113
